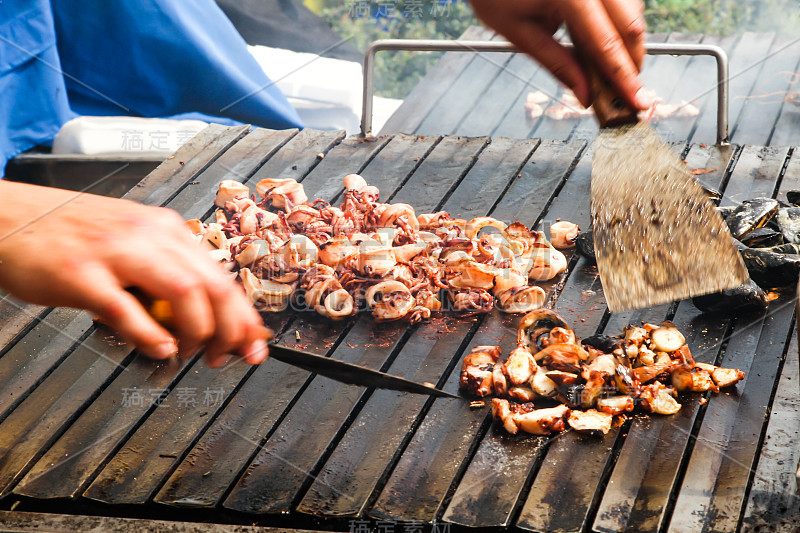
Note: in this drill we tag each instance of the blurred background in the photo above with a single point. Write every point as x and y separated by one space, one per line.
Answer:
363 21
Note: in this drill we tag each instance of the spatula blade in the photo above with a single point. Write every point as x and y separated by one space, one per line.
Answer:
657 236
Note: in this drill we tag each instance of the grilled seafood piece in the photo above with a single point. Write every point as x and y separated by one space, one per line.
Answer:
585 243
604 343
563 234
788 220
590 422
476 370
527 418
615 405
763 238
692 379
666 338
265 294
230 190
389 300
751 214
535 325
746 297
283 193
723 377
520 366
770 269
542 384
655 398
520 299
468 302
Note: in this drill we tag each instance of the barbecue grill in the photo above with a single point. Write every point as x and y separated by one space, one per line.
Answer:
89 427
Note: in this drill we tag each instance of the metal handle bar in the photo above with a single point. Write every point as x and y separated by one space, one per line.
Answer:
430 45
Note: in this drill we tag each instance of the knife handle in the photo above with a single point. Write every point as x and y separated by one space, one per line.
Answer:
610 108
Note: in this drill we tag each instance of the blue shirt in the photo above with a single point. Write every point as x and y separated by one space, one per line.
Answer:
149 58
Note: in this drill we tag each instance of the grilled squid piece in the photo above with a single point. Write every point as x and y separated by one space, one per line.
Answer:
230 190
283 193
723 377
560 336
521 299
255 219
472 275
648 373
374 259
298 252
546 263
590 422
302 215
667 338
429 299
467 302
625 380
433 220
527 418
197 228
398 214
389 300
570 355
407 252
520 366
595 386
475 226
563 234
615 405
536 325
265 294
215 236
695 379
354 182
655 398
252 253
543 385
336 251
521 393
477 369
339 304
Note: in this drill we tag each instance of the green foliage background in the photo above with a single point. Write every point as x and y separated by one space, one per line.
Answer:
398 72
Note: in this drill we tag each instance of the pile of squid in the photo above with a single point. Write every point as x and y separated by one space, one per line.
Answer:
592 380
365 254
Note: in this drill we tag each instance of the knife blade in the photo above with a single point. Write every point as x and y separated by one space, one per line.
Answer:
657 236
350 373
161 312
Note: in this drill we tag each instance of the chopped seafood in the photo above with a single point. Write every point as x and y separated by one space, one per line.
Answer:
369 255
594 380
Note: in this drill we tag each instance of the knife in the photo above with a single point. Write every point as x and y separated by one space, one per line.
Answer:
350 373
341 371
657 236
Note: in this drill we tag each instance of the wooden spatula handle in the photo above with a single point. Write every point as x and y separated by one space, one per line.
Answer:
610 108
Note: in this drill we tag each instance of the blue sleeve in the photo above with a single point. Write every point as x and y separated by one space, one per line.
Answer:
160 58
33 101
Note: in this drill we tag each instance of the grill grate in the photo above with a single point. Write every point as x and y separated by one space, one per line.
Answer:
277 446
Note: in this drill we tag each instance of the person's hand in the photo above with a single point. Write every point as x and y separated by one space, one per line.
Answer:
610 33
61 248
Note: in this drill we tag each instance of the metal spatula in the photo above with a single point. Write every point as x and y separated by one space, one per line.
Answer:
657 236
